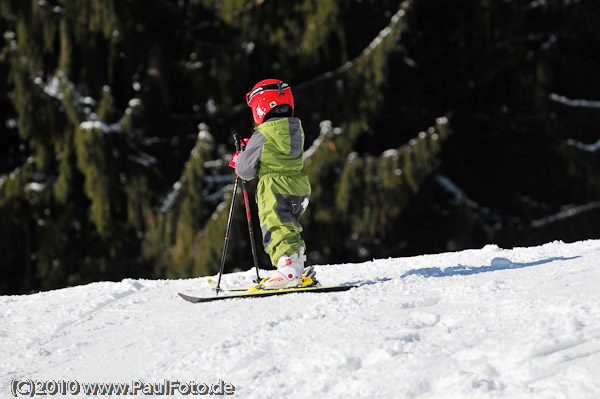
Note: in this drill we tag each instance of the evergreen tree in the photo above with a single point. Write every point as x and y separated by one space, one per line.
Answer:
116 121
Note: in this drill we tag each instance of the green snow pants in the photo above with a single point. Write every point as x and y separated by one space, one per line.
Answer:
281 199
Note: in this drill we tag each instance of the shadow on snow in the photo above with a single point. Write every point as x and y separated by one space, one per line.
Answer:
361 283
460 270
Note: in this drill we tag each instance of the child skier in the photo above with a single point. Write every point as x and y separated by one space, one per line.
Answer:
275 153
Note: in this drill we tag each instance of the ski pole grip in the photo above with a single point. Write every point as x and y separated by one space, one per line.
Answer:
237 139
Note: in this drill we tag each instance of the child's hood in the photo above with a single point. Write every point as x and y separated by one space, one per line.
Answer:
285 134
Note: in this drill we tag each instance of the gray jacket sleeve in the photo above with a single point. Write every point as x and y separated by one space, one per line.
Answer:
248 161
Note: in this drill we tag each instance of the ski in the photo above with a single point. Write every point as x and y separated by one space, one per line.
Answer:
264 293
213 285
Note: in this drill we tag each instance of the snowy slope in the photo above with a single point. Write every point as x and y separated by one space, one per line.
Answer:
468 324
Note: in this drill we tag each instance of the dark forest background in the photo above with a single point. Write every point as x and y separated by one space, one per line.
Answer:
430 126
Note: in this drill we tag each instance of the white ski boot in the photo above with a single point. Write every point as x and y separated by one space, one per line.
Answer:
288 274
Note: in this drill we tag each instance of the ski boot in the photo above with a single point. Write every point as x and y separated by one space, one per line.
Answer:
290 273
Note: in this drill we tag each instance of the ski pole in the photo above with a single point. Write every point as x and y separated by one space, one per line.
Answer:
238 139
230 217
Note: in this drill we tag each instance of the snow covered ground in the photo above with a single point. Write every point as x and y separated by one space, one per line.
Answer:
467 324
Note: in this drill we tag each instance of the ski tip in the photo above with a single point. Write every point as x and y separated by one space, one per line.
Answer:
188 298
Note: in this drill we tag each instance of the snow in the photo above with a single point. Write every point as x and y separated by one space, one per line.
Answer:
574 103
457 193
584 147
143 159
169 201
566 213
99 125
480 323
33 186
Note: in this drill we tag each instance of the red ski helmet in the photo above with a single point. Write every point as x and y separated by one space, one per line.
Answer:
266 95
